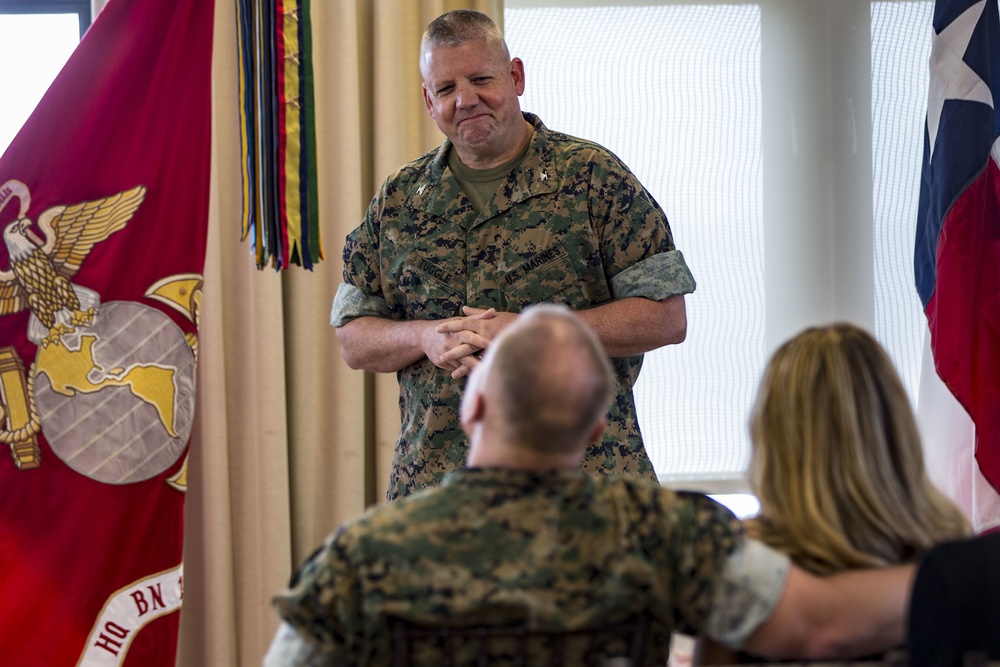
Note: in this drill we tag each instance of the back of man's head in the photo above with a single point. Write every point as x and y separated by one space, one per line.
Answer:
547 382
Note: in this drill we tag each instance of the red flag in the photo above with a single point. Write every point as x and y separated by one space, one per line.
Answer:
103 207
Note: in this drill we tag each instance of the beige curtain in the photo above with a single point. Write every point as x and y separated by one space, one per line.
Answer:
289 442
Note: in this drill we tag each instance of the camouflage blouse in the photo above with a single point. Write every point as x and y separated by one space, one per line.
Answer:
570 225
554 550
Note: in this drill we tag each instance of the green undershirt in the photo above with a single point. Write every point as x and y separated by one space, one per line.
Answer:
479 185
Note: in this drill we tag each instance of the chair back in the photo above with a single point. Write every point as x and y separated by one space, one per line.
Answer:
622 644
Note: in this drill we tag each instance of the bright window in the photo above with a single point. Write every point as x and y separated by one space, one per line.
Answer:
35 46
901 48
783 141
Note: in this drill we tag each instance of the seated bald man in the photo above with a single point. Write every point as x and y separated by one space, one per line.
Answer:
522 536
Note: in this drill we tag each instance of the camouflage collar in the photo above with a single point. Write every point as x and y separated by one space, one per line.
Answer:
506 479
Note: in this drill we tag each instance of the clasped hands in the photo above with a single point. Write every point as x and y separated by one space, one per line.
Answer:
458 342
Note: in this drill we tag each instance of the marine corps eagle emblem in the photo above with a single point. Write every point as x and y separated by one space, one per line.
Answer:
40 269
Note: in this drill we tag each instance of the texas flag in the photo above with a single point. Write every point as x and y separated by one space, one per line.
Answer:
104 217
957 253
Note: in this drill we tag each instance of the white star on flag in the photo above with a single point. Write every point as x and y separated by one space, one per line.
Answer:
951 77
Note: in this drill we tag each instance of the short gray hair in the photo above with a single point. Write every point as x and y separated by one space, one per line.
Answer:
459 26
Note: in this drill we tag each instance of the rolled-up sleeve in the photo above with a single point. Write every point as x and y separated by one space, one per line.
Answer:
350 303
753 580
360 293
290 649
659 277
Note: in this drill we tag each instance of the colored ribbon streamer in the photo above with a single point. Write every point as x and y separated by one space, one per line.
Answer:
278 133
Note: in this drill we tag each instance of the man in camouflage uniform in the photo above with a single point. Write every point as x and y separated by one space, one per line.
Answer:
505 214
523 536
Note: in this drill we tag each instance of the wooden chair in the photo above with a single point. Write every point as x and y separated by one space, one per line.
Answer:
416 645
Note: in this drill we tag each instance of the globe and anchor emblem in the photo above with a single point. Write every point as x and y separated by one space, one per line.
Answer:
112 386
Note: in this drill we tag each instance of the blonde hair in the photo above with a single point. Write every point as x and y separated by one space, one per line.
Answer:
836 459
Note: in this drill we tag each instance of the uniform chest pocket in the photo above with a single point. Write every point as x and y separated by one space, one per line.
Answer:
431 291
548 276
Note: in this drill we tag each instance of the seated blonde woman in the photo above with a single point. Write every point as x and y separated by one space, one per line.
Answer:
836 462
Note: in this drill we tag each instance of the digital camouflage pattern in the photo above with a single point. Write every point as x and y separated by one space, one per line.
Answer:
554 550
570 225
